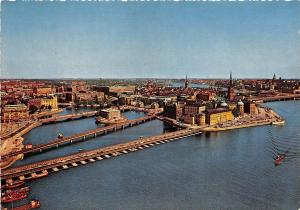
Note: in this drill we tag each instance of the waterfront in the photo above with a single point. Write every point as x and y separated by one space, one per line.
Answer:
230 169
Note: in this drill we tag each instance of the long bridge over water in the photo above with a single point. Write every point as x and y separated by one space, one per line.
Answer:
81 136
278 98
48 166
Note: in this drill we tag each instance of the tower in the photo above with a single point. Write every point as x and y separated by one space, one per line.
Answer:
230 92
186 84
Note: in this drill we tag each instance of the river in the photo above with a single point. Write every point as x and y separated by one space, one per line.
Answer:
223 170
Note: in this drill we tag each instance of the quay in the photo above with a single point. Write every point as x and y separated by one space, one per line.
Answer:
82 158
62 118
80 136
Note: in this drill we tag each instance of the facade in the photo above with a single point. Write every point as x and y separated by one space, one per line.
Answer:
110 114
14 113
193 109
173 111
50 101
219 115
42 91
240 107
250 107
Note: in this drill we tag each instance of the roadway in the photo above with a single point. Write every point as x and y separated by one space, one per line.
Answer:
82 158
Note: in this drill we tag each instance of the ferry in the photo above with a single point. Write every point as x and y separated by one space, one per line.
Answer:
279 160
282 122
12 185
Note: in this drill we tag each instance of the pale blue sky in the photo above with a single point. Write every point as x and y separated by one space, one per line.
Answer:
157 39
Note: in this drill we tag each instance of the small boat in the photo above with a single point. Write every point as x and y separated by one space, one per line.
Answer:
60 136
278 160
282 122
13 192
36 176
12 185
34 204
14 196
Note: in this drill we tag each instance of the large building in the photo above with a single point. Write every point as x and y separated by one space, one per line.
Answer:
110 114
173 111
250 107
14 113
49 102
43 90
219 115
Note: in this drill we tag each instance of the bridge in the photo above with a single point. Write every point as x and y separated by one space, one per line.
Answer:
278 98
81 136
172 122
41 168
66 117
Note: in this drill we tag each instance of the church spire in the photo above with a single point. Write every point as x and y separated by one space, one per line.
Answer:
230 81
186 82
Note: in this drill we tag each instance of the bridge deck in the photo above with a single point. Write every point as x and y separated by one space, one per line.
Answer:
96 154
80 136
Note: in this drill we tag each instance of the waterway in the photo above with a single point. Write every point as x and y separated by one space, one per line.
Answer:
224 170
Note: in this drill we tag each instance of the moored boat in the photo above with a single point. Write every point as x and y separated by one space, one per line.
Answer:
12 185
282 122
14 196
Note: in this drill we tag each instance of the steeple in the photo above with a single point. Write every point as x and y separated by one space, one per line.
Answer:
230 81
186 82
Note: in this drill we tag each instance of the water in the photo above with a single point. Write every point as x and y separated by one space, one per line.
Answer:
224 170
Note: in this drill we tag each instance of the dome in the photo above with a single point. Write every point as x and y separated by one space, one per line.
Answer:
240 103
223 104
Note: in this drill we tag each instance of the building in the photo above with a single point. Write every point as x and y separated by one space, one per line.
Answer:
14 113
193 109
173 111
250 107
50 101
110 114
42 91
240 107
219 115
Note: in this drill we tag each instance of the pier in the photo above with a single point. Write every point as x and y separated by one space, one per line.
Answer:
81 136
54 165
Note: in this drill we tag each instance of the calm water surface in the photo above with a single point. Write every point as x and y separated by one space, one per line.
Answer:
224 170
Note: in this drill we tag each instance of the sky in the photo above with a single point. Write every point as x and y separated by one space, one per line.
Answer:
150 39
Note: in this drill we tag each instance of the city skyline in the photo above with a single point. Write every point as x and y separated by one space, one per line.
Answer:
150 40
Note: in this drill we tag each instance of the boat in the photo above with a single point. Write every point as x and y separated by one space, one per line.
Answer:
278 160
14 196
14 192
36 176
12 185
282 122
60 136
34 204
